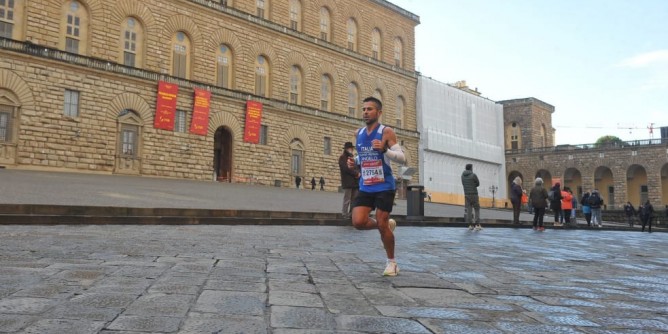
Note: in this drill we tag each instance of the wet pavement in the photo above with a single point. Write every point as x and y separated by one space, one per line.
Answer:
327 279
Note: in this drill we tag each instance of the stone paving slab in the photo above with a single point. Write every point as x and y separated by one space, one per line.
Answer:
327 279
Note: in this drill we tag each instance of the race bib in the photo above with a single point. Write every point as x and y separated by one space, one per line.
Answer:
372 172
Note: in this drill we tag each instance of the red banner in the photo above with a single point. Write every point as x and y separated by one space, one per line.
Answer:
201 107
165 107
253 122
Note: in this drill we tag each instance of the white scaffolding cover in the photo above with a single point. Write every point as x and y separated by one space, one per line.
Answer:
457 128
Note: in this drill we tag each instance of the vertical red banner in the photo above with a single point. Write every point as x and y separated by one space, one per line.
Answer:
201 107
253 122
165 107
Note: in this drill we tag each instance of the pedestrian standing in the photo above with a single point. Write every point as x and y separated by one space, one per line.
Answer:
322 183
574 221
313 183
595 202
566 205
630 211
586 209
349 179
648 215
516 198
298 181
376 146
555 202
538 200
471 201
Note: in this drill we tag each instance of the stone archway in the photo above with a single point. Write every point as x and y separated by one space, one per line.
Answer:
546 176
604 182
636 184
573 180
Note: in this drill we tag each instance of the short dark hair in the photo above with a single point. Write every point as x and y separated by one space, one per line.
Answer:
469 166
379 104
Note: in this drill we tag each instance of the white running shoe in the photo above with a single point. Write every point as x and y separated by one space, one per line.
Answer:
391 269
478 228
393 224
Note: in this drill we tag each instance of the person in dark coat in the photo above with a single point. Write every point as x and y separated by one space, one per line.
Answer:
471 183
586 209
298 181
516 198
648 215
322 183
630 211
555 202
538 199
349 179
313 183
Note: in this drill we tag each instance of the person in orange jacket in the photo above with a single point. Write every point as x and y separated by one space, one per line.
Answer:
567 204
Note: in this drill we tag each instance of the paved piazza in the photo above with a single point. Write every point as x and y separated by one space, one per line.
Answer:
296 279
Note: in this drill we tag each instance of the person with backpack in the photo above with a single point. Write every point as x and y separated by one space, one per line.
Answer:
554 195
586 209
630 211
648 214
595 202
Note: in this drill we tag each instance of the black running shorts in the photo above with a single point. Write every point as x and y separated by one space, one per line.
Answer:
383 200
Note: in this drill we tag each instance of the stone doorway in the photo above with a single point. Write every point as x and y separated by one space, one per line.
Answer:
222 154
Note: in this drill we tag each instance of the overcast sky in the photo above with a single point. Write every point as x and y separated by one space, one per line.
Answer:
603 64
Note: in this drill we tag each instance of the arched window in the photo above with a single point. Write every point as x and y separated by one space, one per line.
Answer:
297 157
326 92
398 52
75 28
9 108
261 76
262 8
224 66
353 99
351 28
295 15
132 37
181 55
376 45
129 122
325 28
129 132
295 84
401 107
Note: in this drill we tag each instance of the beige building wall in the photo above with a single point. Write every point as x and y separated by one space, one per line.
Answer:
35 75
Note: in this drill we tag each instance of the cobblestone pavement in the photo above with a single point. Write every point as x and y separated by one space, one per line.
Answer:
289 279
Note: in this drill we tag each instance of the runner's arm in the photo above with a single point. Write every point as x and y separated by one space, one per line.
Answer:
395 153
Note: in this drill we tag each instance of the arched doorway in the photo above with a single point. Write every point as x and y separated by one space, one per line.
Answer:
512 177
573 180
604 182
222 154
636 184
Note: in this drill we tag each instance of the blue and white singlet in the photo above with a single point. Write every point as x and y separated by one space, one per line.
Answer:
375 167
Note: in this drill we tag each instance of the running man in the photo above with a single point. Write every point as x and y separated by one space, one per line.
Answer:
376 146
